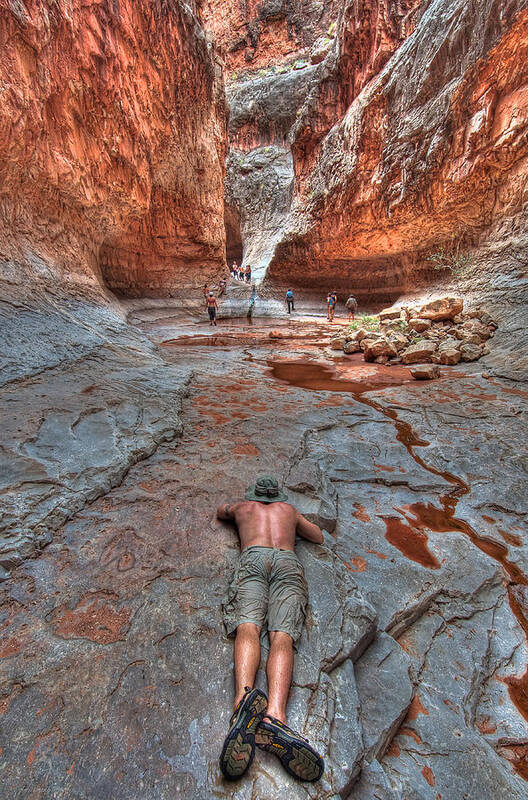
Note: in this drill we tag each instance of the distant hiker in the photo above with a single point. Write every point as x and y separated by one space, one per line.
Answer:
212 306
331 301
289 300
268 592
351 306
222 289
248 274
234 269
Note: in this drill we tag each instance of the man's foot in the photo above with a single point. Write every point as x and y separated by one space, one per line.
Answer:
239 745
296 754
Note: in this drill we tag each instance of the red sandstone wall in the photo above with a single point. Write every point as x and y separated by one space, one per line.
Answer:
435 148
112 142
251 34
370 31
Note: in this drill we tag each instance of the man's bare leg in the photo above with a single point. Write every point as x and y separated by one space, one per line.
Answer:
247 657
279 670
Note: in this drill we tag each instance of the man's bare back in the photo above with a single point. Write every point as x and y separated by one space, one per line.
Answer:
269 525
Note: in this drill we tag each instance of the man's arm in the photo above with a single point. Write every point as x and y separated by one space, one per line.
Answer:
225 511
308 530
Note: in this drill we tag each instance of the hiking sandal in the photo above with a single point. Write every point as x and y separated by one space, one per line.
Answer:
296 754
239 745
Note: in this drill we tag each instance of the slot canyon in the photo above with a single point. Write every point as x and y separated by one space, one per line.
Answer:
377 148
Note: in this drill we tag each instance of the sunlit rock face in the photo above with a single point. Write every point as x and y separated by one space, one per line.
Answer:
109 171
431 151
262 33
292 73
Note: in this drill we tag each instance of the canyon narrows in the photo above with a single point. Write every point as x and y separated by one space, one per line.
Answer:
355 145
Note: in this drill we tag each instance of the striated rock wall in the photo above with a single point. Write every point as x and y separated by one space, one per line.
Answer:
252 34
432 151
107 169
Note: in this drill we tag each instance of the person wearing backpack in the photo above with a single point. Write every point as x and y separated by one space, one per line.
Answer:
289 300
331 301
351 306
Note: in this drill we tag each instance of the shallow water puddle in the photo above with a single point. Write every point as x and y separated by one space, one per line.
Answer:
351 375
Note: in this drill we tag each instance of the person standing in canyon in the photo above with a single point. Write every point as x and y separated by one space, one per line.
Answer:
248 274
289 301
331 302
212 307
268 592
222 284
351 306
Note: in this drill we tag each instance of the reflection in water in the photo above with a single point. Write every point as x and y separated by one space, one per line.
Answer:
346 375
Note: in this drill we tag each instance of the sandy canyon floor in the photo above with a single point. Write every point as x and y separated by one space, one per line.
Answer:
116 671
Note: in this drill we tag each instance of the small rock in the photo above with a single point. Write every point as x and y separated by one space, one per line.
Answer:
276 335
477 327
425 372
419 325
467 336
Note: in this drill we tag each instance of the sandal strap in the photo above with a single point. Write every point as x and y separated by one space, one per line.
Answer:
247 690
284 727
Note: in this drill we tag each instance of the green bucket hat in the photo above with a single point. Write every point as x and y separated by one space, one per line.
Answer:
266 490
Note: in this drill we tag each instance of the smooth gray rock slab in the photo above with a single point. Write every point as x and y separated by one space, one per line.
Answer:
385 691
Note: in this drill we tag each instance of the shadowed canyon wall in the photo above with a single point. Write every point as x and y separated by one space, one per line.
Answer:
107 169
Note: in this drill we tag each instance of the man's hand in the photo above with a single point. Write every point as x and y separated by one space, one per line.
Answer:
308 530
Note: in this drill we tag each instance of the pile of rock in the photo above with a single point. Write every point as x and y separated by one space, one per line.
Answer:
438 332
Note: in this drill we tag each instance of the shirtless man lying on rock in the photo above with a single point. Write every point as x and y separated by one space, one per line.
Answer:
268 592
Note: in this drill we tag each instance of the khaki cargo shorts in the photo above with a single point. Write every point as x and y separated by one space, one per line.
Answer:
268 589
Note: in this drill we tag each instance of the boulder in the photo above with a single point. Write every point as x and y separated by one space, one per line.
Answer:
419 352
449 355
389 314
373 349
351 347
443 308
276 335
338 342
471 352
425 372
419 325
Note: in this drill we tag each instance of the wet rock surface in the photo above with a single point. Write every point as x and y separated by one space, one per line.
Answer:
115 669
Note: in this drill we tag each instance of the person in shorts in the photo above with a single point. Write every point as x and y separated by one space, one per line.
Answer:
212 306
351 306
268 592
289 300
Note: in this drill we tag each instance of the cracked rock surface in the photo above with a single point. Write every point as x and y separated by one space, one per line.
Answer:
115 671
